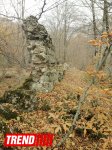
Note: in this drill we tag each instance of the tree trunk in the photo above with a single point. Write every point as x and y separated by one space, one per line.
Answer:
65 31
106 50
23 9
94 22
94 19
105 17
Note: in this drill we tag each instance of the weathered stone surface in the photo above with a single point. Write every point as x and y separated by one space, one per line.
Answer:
7 111
45 71
20 99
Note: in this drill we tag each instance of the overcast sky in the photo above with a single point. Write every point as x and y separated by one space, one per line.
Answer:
32 7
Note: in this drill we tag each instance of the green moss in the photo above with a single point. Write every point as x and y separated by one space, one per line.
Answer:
26 84
22 99
71 96
45 106
79 131
8 114
97 136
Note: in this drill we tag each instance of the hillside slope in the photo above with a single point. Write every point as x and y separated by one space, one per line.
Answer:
55 112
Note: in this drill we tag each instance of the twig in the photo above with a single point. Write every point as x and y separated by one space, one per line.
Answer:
46 10
42 10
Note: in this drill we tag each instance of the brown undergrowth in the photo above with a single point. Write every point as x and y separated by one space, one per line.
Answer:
55 112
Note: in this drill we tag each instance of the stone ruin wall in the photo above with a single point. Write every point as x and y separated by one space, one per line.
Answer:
45 70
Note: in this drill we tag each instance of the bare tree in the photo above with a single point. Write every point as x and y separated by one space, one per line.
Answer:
94 21
65 30
105 17
62 24
23 9
94 18
42 10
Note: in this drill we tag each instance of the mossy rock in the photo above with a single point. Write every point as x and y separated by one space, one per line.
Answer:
7 112
26 84
21 99
45 106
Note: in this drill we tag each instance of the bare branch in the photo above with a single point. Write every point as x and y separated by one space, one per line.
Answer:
42 10
14 8
47 9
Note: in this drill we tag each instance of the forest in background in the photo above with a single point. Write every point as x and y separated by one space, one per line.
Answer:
78 110
68 26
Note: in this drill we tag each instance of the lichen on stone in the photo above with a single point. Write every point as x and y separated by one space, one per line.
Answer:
45 70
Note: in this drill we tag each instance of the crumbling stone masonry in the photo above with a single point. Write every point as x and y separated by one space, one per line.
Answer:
45 71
